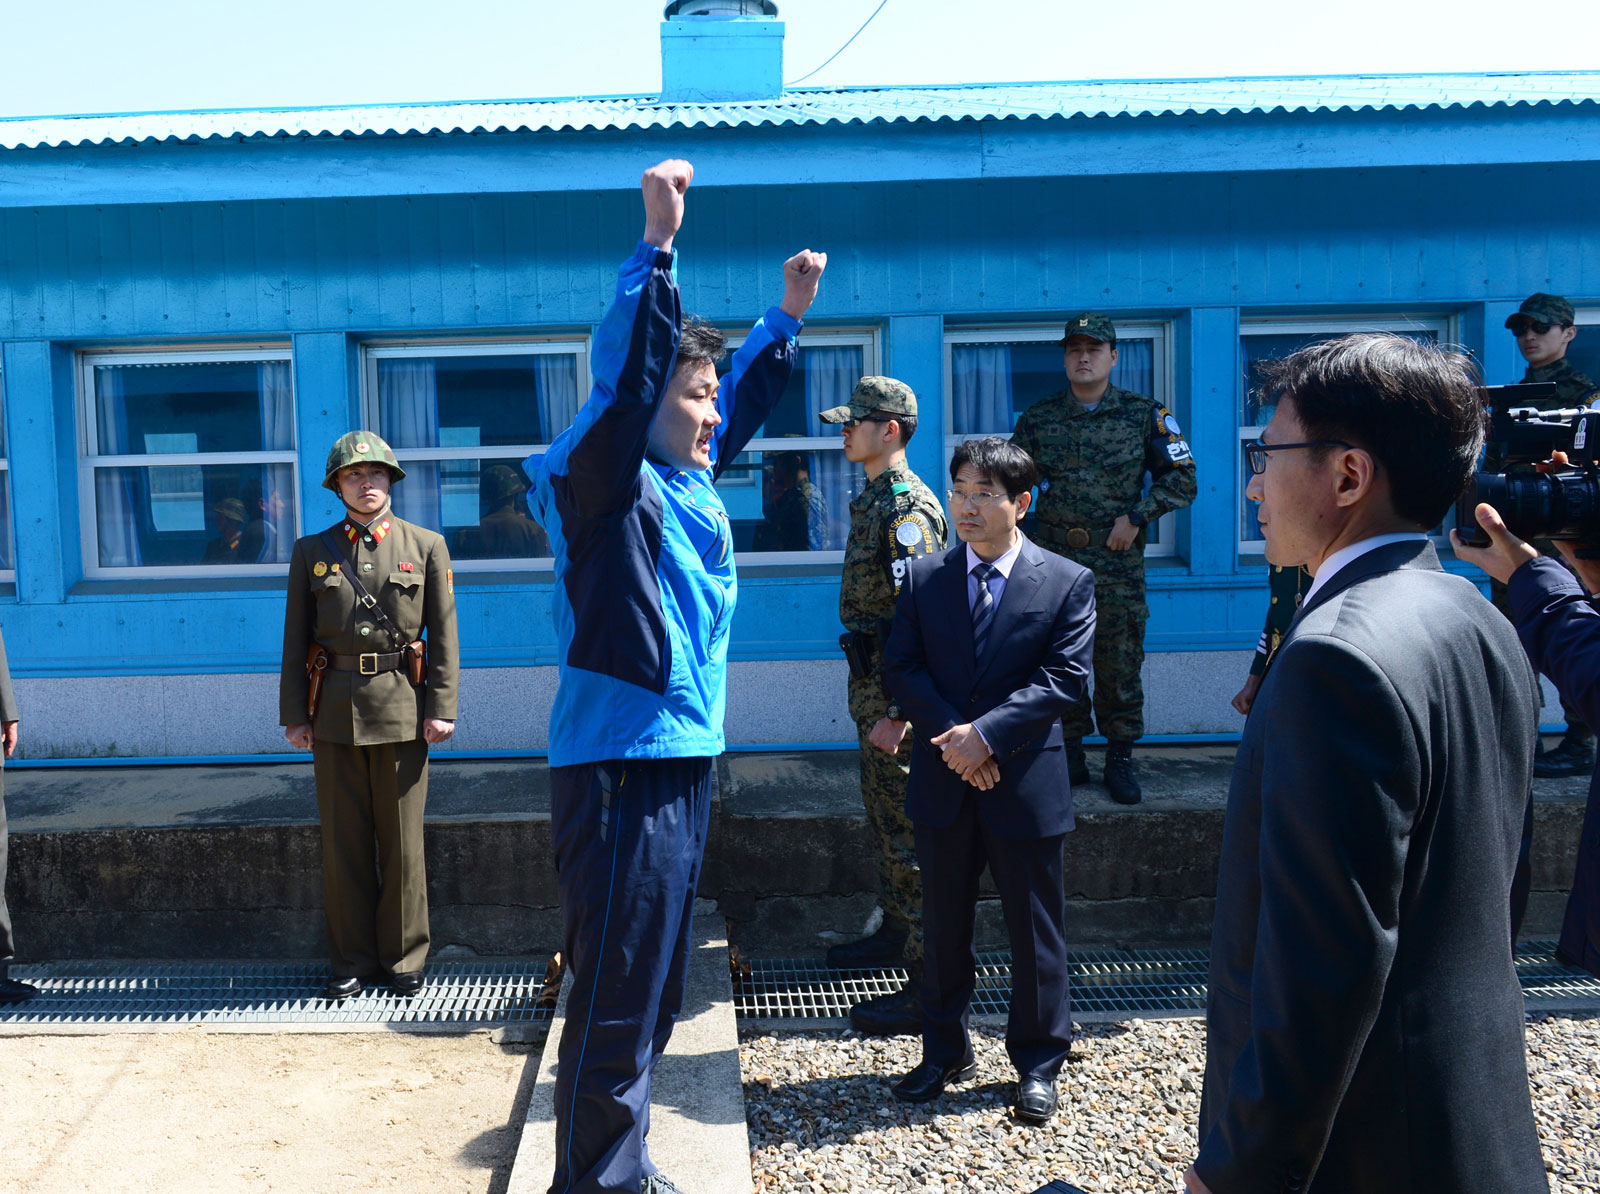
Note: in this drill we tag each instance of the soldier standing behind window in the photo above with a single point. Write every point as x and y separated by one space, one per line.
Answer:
366 591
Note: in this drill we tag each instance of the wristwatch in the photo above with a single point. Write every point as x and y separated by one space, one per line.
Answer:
1136 518
895 713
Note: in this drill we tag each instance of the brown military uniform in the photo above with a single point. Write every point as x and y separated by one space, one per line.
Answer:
893 520
1092 465
370 759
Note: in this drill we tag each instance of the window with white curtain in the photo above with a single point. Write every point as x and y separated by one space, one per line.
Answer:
788 493
188 464
8 564
461 418
1272 339
993 374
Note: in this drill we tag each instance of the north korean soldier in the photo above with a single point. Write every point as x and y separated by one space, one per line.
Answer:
369 683
11 990
1544 327
894 519
1094 444
1286 589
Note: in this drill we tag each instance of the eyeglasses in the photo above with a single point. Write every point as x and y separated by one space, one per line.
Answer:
1539 328
1255 452
981 500
852 424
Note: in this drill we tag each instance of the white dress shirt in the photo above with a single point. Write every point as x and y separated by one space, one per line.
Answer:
1354 551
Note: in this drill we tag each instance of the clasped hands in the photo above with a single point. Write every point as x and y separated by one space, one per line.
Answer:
966 753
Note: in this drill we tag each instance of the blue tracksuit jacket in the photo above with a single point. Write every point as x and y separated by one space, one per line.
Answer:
645 581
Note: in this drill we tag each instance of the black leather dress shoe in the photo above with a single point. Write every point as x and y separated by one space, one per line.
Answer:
886 947
897 1014
1574 756
12 991
928 1080
341 988
1036 1100
406 983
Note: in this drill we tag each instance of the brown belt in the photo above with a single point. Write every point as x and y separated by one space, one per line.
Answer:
1079 538
370 664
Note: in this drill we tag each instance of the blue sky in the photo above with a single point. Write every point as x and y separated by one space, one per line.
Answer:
116 56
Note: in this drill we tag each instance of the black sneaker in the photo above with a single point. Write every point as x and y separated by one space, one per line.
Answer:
1120 780
886 947
896 1014
1574 756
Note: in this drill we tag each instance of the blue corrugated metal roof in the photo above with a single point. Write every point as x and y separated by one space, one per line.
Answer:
855 105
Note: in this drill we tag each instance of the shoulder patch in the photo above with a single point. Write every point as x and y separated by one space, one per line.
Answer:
900 487
911 532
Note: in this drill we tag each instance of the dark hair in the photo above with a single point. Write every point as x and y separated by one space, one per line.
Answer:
1416 407
700 343
1000 460
908 427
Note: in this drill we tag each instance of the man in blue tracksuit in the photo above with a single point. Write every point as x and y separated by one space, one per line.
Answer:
643 603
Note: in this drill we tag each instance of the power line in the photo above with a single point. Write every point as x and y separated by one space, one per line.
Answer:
844 47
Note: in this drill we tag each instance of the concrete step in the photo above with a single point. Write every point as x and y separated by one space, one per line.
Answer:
224 862
698 1137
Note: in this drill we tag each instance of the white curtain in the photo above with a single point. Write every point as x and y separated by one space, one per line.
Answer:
831 373
118 493
275 379
981 389
408 414
276 382
1136 366
556 376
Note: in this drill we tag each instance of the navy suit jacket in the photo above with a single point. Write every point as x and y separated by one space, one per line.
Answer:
1364 1027
1034 667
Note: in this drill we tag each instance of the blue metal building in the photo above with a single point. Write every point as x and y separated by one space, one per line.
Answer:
194 305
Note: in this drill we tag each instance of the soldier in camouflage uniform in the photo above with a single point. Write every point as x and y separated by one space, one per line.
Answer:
369 741
1094 443
894 519
1544 326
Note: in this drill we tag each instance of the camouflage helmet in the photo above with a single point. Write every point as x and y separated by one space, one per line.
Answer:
501 481
360 447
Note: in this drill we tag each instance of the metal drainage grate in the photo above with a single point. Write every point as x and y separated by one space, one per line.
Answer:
215 994
1131 982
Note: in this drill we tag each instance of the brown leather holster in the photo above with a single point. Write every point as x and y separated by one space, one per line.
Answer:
316 669
416 661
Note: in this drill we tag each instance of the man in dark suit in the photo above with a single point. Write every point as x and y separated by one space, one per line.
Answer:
992 642
1364 1024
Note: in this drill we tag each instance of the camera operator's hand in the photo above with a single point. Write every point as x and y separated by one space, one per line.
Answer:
1505 553
1192 1182
802 274
663 186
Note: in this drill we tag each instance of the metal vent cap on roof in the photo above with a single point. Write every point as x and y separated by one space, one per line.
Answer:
679 9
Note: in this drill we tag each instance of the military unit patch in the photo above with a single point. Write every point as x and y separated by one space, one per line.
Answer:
319 569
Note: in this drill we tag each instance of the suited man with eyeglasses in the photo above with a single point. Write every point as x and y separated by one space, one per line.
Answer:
991 642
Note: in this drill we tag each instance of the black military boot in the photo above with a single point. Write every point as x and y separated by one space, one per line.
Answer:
1574 756
1077 763
1120 780
897 1014
886 947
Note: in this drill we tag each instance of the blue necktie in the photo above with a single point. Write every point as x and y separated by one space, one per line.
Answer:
982 608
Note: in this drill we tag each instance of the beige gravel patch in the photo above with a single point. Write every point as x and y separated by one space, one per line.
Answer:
217 1113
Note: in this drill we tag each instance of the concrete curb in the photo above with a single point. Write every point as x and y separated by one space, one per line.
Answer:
698 1137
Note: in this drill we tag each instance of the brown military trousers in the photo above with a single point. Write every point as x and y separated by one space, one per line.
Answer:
374 879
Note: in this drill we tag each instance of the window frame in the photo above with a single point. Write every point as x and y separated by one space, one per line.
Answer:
85 362
869 340
1163 369
1446 328
576 344
8 575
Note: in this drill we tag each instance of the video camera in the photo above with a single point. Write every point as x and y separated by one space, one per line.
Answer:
1537 498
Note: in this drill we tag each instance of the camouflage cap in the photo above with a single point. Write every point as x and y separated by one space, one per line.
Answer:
874 396
1541 308
1091 324
359 447
231 508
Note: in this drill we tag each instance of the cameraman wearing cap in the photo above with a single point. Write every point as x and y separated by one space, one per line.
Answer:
1544 329
1557 620
1094 443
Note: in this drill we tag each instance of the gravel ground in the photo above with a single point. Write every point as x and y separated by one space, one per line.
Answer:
822 1120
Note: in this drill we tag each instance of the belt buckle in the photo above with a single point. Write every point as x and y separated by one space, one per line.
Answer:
1077 537
362 663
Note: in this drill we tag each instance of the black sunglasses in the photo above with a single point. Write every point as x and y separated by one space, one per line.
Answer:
1539 327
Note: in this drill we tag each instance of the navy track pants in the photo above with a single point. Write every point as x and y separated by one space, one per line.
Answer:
629 837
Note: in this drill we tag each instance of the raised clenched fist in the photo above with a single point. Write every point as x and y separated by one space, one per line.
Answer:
663 186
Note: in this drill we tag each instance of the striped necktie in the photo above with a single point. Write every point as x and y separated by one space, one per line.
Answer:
982 608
